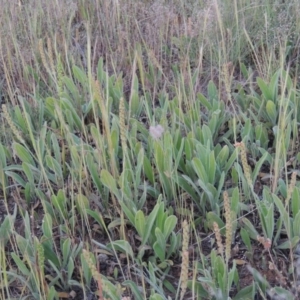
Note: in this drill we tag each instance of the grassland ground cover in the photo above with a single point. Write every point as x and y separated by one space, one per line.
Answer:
149 149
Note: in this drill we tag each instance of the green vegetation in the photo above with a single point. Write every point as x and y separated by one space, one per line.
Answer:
149 149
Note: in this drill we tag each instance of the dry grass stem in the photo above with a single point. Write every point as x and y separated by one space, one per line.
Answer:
185 258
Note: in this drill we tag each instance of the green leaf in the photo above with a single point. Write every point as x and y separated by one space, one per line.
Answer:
259 279
156 297
223 156
185 183
169 226
52 294
82 204
290 244
55 166
97 217
138 295
213 93
80 75
140 223
94 172
269 222
150 220
109 182
283 213
6 227
16 177
66 251
295 201
23 154
70 268
28 172
271 111
211 168
282 293
250 229
21 266
173 244
246 293
129 212
212 217
59 202
159 251
160 239
296 224
258 166
246 239
123 246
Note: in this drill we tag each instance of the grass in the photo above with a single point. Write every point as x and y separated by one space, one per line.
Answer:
149 150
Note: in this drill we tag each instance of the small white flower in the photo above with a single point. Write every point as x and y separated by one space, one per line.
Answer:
156 131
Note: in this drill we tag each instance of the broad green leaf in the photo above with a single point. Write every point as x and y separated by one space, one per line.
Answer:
173 244
140 223
16 177
271 111
204 101
123 246
295 201
138 295
109 182
25 246
230 162
161 217
169 226
72 88
296 224
211 168
80 75
169 286
6 227
159 157
21 266
212 217
267 93
47 229
258 166
82 204
23 154
156 297
129 212
269 222
259 279
188 149
59 202
55 166
70 268
200 170
223 156
282 293
94 172
246 293
250 229
246 239
66 251
290 244
213 93
160 239
52 294
159 251
28 172
284 214
150 220
186 186
97 217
